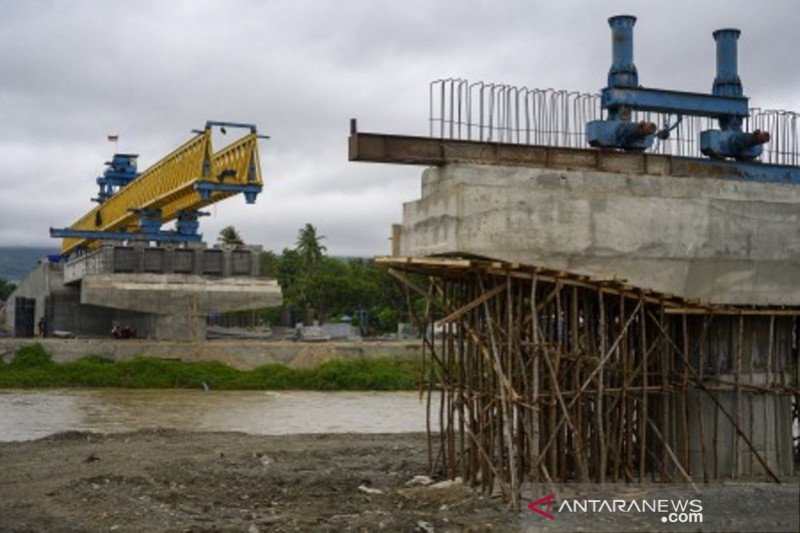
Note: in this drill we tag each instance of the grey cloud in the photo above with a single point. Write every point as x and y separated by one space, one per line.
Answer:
71 72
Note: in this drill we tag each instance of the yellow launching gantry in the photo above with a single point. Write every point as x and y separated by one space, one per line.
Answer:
134 206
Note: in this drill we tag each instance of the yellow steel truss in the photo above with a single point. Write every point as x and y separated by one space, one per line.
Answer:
239 159
169 185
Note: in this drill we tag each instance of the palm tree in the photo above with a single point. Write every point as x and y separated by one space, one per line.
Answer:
229 235
308 246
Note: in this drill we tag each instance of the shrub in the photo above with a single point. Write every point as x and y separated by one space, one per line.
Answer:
33 367
31 356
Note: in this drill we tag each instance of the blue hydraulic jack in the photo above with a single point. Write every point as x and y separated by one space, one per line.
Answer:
623 95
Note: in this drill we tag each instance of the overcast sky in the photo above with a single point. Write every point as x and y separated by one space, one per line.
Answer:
73 71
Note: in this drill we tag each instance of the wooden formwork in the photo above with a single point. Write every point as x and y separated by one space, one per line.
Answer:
536 375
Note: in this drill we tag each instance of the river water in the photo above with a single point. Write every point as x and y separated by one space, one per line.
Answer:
28 415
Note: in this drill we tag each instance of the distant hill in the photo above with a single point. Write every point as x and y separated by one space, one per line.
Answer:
17 261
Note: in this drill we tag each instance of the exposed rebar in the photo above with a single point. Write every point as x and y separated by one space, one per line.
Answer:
490 112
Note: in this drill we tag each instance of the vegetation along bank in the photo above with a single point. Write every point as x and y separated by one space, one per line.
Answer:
32 367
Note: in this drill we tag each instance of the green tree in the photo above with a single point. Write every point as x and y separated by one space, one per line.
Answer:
330 288
289 274
229 235
269 263
387 319
312 281
381 295
308 246
6 288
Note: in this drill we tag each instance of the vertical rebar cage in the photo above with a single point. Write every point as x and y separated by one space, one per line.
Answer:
492 112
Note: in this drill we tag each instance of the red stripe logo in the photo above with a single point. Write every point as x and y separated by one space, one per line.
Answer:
534 506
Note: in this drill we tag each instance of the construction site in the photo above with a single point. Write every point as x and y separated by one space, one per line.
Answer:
625 311
611 293
119 267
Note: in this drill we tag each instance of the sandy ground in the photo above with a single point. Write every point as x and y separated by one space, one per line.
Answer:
170 480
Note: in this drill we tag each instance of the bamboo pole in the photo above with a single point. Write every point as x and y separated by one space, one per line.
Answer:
536 355
601 434
672 455
532 389
667 422
505 430
684 387
730 418
462 395
754 347
589 379
700 407
643 403
768 381
622 450
581 460
737 401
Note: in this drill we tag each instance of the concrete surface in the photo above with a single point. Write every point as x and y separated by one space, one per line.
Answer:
244 355
166 294
160 306
719 240
46 280
765 419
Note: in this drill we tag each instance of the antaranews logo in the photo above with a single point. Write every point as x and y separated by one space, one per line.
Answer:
534 506
671 510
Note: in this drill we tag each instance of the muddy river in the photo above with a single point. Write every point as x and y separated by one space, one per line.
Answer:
28 415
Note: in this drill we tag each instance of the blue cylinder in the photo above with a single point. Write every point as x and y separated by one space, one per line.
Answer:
623 71
727 82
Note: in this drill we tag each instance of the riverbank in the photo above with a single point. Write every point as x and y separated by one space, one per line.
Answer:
167 480
240 354
33 367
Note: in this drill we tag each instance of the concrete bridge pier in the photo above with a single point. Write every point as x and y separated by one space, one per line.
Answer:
162 293
722 235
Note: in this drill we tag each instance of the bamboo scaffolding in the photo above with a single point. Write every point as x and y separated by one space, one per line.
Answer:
545 376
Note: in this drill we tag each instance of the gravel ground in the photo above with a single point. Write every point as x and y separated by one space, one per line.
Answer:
170 480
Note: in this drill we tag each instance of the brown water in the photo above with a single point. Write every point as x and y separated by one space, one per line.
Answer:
28 415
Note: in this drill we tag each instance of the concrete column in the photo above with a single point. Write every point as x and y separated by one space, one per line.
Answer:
397 232
179 327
